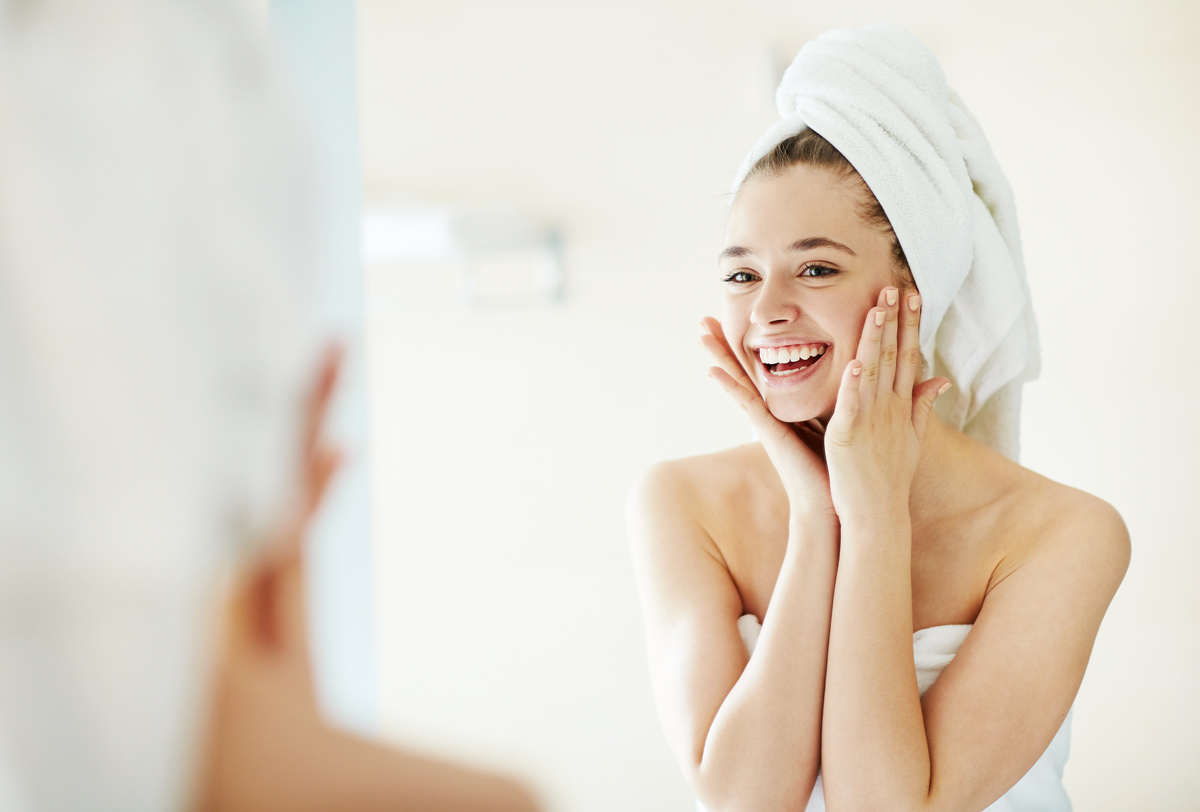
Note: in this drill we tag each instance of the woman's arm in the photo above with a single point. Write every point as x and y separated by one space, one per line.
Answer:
746 730
996 707
268 746
998 704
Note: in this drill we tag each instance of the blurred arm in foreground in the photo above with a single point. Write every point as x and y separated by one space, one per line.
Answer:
269 748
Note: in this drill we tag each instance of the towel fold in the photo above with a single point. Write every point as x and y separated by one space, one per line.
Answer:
878 95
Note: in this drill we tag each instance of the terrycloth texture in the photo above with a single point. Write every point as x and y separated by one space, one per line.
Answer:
879 96
1039 790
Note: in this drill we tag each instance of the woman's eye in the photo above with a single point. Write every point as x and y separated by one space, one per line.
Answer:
817 271
740 277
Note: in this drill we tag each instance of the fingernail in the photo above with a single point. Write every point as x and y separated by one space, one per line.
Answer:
855 370
914 302
942 389
891 294
878 317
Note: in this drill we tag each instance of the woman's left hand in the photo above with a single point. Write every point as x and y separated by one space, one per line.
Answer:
873 440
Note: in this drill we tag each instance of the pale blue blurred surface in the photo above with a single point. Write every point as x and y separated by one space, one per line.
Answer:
317 39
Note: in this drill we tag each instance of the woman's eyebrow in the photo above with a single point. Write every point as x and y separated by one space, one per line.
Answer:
809 243
806 244
735 251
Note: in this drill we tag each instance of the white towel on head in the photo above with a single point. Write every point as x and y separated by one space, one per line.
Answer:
879 96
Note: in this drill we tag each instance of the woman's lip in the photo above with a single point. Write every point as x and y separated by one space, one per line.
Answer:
788 381
786 342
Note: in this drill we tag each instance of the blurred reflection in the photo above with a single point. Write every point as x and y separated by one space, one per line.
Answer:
156 252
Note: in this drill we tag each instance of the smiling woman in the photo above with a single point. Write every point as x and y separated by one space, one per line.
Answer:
834 270
790 585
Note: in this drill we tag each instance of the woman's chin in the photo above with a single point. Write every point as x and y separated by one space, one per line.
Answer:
791 411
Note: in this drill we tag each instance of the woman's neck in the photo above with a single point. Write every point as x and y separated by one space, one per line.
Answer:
956 474
952 477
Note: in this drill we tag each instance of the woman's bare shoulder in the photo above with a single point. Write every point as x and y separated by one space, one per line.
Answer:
702 490
707 477
1070 526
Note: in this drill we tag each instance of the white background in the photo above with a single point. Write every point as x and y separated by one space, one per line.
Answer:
504 441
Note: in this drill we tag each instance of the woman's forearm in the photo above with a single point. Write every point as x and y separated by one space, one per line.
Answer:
763 748
875 752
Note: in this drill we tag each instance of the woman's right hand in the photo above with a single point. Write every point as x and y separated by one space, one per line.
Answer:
796 449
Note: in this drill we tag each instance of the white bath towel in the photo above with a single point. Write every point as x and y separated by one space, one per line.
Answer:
879 96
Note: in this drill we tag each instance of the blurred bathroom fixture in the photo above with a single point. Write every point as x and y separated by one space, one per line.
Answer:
485 255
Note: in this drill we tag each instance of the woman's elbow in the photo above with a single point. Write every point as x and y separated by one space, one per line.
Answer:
746 789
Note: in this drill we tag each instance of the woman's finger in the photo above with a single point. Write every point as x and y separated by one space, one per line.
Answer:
734 388
889 300
924 396
713 340
780 439
849 402
774 434
320 460
732 377
712 327
867 376
321 395
322 466
908 365
746 396
726 362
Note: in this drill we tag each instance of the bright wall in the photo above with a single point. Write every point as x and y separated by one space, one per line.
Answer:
503 441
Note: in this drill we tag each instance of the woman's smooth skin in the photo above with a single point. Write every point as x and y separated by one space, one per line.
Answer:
858 519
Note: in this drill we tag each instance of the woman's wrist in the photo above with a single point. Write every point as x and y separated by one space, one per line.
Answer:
880 503
810 519
866 526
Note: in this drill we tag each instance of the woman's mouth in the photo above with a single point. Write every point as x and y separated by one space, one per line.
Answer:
782 362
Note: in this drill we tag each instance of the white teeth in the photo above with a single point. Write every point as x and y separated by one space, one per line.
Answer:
783 355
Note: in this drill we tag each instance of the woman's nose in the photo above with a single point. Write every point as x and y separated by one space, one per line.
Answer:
775 304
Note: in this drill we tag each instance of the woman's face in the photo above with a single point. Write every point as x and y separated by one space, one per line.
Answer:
801 270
